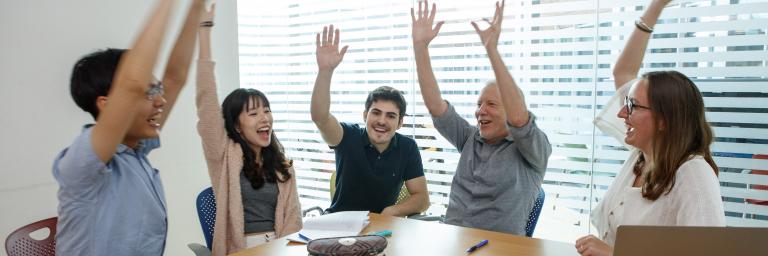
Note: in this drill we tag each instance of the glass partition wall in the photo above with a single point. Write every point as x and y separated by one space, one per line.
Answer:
560 52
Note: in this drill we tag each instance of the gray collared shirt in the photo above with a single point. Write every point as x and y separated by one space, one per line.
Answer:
495 185
116 208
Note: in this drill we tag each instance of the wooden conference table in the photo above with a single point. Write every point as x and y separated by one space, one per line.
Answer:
415 237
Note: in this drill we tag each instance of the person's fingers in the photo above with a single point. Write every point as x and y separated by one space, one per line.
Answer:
477 29
588 251
432 13
330 35
342 52
421 10
317 40
325 36
413 17
501 13
437 27
336 38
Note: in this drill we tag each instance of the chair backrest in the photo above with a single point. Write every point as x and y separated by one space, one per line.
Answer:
206 211
20 243
533 217
401 197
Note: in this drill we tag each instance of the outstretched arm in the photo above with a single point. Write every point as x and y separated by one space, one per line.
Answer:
177 70
210 124
132 79
423 33
511 96
628 64
328 58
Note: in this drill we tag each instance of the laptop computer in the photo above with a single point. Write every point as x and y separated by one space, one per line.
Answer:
666 240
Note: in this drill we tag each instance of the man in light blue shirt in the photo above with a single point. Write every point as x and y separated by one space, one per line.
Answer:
116 208
111 200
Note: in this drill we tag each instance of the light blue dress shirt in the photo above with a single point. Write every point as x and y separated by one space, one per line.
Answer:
113 209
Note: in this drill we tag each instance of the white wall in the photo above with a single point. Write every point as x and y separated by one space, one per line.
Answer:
40 41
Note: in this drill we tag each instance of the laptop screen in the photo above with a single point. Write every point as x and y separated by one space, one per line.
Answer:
666 240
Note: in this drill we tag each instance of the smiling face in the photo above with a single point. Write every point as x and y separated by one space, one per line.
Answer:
254 124
490 115
146 122
641 128
382 120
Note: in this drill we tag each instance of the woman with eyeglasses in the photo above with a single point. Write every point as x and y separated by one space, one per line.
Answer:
253 181
670 178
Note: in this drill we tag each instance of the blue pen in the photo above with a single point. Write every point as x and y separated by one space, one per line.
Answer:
477 246
304 237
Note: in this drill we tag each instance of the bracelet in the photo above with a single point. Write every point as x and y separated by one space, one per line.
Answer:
206 24
640 24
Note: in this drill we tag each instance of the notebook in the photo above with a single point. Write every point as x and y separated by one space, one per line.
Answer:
700 241
332 225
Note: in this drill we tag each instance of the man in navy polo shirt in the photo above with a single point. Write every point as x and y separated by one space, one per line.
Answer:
372 162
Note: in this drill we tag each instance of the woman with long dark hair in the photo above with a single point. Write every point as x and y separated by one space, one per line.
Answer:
670 178
253 182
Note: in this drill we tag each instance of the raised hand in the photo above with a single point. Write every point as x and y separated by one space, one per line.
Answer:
628 65
204 31
422 31
328 54
490 36
208 13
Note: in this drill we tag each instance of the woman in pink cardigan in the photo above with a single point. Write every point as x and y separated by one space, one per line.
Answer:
253 182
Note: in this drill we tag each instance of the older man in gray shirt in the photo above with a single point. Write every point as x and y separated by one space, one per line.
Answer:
503 157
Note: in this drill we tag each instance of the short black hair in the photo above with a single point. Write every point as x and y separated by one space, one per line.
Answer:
387 93
92 77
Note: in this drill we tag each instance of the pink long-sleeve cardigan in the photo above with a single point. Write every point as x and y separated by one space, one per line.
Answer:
225 161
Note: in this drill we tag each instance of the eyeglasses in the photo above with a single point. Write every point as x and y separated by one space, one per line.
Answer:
630 104
155 89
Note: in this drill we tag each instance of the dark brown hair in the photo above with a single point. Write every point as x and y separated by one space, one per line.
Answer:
273 158
387 93
682 130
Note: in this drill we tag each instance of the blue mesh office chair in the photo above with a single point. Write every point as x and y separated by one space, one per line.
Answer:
206 211
533 217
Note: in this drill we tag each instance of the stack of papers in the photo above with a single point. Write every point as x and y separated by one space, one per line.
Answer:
332 225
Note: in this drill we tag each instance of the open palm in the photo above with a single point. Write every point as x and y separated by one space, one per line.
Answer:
328 54
422 31
490 36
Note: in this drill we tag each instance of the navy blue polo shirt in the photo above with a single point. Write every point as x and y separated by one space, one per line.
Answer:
367 180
